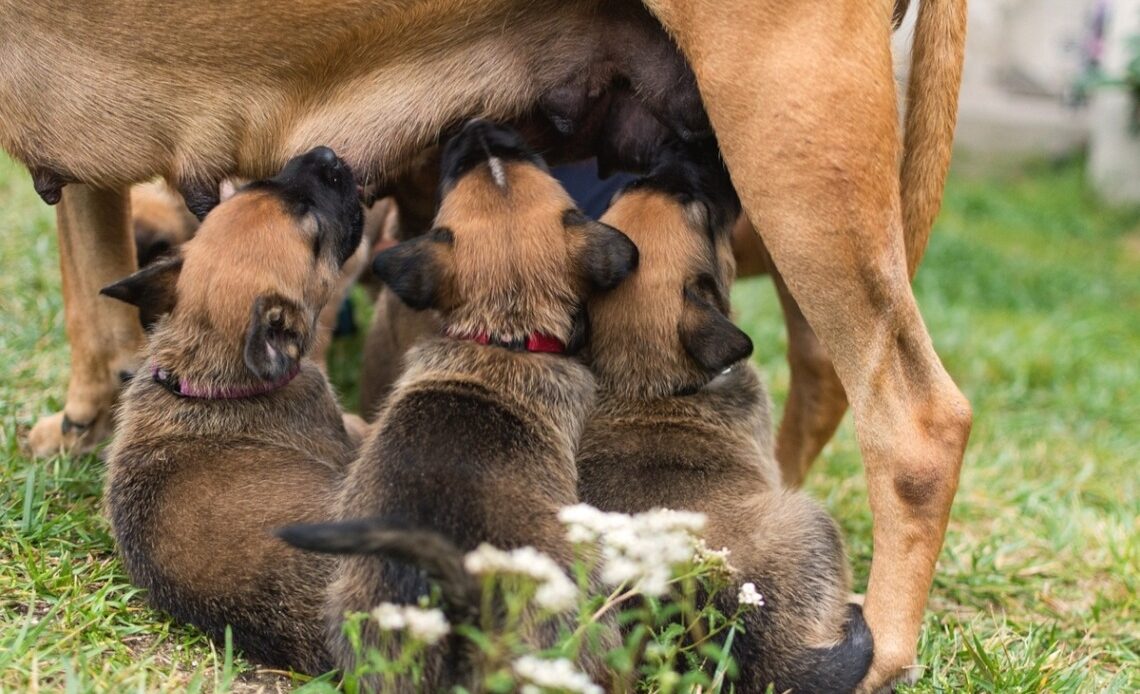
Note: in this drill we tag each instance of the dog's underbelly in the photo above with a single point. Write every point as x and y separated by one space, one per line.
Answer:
119 92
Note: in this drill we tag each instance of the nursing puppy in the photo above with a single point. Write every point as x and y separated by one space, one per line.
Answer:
477 440
682 421
230 431
160 221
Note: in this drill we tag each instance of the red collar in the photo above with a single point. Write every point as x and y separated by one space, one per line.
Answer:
534 342
186 389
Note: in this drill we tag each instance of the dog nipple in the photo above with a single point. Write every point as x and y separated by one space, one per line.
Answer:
48 184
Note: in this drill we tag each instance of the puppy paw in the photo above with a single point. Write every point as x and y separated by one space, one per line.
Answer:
886 672
58 433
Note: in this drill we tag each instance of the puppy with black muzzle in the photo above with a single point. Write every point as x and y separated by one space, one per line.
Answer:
477 441
682 421
231 431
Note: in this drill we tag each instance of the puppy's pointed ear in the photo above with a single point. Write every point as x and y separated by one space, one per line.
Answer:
414 269
709 336
152 289
277 337
608 257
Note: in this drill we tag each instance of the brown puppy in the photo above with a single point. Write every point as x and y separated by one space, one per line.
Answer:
682 421
477 441
230 431
396 327
160 221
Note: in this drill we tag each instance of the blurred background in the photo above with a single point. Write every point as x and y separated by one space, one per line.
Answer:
1051 78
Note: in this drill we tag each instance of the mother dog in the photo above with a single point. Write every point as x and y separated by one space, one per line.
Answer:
800 94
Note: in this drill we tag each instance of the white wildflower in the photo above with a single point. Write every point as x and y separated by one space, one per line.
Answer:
643 549
585 523
390 617
427 625
556 592
539 674
706 555
749 596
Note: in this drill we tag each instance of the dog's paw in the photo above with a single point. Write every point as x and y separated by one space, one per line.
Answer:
886 673
58 433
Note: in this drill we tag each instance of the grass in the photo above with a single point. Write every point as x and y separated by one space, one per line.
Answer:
1032 294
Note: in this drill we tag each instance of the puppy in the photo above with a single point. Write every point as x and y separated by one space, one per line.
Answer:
231 432
477 440
395 327
160 221
682 421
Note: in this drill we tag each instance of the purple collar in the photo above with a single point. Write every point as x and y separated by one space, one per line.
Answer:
183 388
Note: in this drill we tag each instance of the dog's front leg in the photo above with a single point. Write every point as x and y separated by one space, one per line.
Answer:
802 98
96 248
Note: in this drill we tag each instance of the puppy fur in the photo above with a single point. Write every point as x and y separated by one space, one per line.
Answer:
476 442
682 421
196 484
160 221
396 327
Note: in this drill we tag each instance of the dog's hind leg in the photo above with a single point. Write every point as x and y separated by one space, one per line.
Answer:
803 100
816 400
96 248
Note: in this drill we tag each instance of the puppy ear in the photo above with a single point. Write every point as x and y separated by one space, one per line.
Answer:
277 337
709 336
152 289
413 269
608 257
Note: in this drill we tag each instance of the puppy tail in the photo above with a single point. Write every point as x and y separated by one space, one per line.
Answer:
841 667
441 560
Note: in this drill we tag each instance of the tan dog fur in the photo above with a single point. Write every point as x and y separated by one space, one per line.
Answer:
160 220
195 485
816 400
801 97
395 327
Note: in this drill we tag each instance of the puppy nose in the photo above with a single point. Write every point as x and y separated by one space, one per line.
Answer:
324 157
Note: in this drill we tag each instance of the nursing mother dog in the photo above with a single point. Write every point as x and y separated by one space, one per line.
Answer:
801 95
230 430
